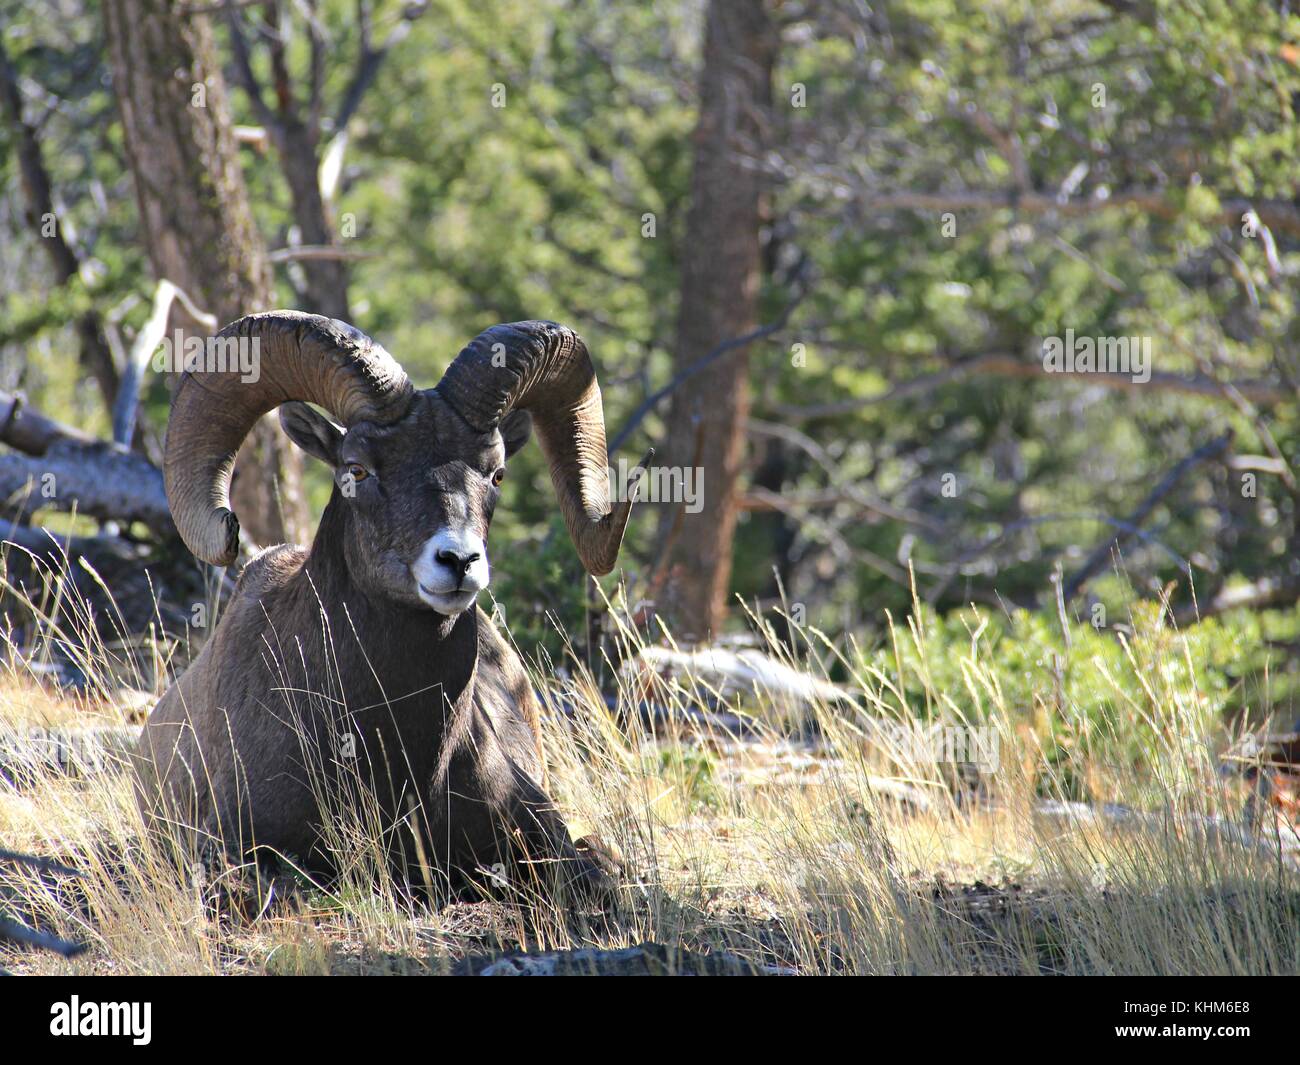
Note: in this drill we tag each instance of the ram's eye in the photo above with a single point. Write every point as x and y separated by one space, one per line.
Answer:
357 472
499 476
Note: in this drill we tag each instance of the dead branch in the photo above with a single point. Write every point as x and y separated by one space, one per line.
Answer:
146 341
314 252
28 430
32 937
1102 552
841 487
1260 392
727 346
1280 215
45 865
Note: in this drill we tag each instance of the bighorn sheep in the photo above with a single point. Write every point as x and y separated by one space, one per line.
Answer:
362 666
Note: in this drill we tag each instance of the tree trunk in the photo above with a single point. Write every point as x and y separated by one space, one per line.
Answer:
195 214
721 266
326 279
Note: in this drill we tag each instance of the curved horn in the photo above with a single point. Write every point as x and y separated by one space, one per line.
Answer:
294 356
544 368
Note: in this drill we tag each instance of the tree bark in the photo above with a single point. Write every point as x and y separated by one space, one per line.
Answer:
326 279
96 480
195 214
720 278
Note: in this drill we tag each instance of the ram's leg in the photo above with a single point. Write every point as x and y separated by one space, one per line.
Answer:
492 826
546 854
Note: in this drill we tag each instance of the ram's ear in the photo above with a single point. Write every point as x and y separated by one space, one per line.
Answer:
311 431
515 428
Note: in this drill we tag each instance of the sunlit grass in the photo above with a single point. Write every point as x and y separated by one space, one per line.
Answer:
847 850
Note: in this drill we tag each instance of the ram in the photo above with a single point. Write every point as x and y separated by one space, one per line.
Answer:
361 670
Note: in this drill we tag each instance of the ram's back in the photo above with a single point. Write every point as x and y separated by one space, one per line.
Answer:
185 758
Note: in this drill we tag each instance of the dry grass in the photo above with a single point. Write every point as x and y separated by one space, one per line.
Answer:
853 853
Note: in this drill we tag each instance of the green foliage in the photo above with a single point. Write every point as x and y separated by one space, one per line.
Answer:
897 297
1146 121
539 590
1119 692
690 770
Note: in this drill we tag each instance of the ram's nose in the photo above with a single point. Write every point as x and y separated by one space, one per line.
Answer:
452 566
458 562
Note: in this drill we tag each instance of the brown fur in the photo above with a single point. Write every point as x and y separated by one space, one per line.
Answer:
328 683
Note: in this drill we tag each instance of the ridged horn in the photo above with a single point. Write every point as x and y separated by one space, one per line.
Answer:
293 356
545 368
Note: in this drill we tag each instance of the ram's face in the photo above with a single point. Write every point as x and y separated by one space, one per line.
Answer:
419 496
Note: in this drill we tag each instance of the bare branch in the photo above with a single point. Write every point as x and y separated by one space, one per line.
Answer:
369 60
146 341
1261 392
1102 553
45 865
707 360
244 67
193 10
841 489
1279 214
31 937
829 534
317 252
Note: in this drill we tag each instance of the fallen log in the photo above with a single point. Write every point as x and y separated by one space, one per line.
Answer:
743 672
96 480
65 469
